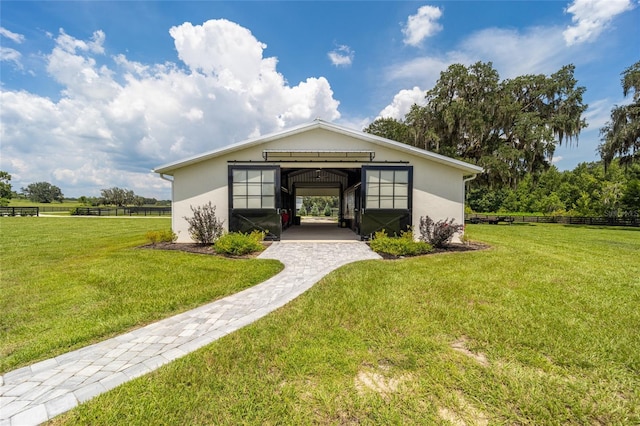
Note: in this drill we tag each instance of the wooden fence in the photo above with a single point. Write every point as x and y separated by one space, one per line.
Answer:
567 220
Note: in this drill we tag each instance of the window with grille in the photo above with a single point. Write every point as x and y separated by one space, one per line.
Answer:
387 189
254 188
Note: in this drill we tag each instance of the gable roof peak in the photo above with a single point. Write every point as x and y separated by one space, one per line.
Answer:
318 123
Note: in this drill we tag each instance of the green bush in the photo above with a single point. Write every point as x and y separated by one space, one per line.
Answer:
164 236
404 245
238 243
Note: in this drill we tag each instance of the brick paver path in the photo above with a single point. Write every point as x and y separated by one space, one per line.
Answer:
34 394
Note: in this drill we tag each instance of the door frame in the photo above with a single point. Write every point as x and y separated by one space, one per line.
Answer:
249 219
393 221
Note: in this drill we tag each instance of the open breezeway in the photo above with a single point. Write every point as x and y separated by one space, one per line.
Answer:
318 229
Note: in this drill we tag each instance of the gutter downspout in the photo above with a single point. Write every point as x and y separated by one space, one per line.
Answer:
469 179
162 176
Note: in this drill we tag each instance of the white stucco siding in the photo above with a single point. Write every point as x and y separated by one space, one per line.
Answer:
195 186
437 192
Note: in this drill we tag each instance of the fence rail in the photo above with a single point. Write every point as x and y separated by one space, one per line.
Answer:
19 211
567 220
122 211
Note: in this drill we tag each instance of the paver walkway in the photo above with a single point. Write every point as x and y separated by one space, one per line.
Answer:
34 394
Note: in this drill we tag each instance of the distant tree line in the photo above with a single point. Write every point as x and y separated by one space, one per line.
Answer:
45 192
587 190
119 197
318 206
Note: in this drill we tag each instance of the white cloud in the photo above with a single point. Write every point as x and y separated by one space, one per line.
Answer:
530 51
8 54
16 38
591 17
534 50
342 56
402 103
422 25
115 122
423 71
598 113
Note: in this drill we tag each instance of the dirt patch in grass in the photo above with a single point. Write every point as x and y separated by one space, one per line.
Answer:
461 344
378 380
465 414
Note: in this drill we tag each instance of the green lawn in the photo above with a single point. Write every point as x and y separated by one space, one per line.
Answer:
543 328
68 282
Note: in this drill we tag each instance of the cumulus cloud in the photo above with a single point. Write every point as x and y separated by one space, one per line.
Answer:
422 25
402 103
342 56
532 50
591 17
116 119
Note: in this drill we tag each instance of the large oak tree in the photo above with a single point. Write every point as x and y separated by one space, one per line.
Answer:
511 128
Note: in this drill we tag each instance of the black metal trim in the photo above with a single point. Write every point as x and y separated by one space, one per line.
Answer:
383 212
277 184
409 189
314 161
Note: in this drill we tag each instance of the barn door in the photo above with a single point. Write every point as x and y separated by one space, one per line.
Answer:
254 200
386 199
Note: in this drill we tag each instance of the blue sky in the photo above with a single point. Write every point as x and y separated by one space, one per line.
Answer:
96 94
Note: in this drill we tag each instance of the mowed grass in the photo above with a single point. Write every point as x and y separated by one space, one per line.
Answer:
68 282
543 328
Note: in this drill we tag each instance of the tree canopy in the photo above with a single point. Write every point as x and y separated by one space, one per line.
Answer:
621 135
511 128
587 190
5 185
43 192
120 197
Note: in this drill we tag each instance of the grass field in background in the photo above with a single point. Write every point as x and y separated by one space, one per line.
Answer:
14 202
68 282
542 328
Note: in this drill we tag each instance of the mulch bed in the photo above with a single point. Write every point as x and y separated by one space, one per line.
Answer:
208 249
199 249
452 248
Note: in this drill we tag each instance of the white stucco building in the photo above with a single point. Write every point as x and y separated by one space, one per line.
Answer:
380 183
